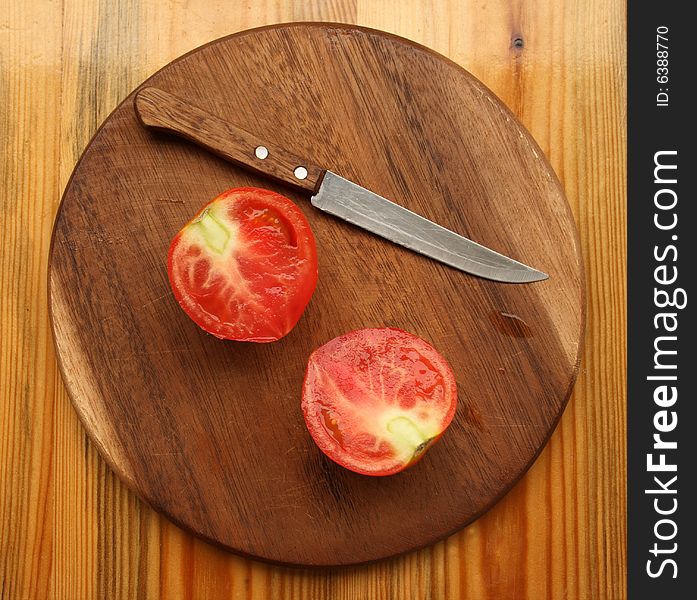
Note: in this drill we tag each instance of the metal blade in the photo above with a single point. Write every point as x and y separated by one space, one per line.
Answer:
359 206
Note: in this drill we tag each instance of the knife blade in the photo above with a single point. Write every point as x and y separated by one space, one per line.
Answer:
359 206
331 193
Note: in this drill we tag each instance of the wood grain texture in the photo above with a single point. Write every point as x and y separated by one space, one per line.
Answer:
164 112
210 432
71 530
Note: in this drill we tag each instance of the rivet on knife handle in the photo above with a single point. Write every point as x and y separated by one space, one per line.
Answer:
161 110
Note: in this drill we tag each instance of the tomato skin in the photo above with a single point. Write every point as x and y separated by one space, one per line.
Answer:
374 400
245 267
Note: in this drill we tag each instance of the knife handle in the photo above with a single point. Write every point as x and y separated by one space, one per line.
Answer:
162 111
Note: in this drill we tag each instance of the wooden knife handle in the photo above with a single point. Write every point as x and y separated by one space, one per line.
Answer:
161 110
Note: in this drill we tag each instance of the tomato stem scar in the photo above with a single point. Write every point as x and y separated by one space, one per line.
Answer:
407 435
214 233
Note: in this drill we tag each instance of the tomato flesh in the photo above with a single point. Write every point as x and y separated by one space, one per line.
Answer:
245 267
374 400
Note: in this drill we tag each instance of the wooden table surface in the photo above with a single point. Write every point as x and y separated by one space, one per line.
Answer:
71 530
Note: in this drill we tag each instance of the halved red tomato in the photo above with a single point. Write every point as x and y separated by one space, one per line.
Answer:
374 400
245 267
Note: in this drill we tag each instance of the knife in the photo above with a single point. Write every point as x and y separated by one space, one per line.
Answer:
160 110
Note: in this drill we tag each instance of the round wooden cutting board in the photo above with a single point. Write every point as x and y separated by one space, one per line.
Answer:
210 432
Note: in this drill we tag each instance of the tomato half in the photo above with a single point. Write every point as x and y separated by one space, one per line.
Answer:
245 267
374 400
